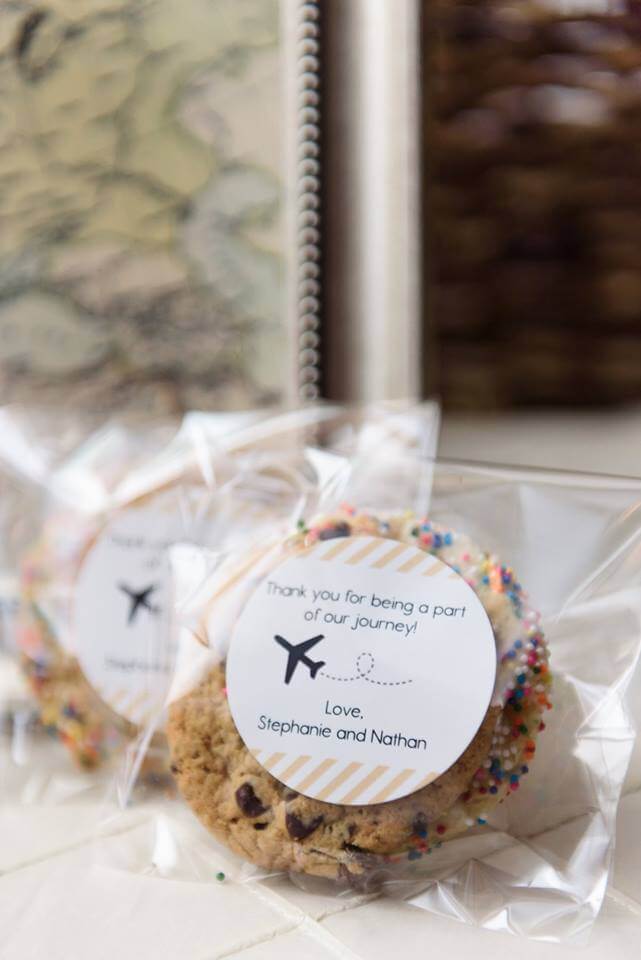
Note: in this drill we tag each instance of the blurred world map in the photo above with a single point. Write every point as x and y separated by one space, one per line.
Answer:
141 213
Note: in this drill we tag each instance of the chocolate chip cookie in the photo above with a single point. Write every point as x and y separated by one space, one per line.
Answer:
277 828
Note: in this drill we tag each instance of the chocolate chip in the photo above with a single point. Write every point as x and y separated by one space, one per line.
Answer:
353 848
290 795
299 830
419 825
341 529
248 802
260 826
174 768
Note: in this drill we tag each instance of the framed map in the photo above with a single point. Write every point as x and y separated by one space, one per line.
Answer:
145 174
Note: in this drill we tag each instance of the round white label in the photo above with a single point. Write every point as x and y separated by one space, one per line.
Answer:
360 670
122 618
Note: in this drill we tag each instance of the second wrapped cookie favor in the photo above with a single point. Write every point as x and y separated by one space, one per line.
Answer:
96 630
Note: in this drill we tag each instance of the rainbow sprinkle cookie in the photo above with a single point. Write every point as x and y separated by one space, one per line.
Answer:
69 708
277 828
63 653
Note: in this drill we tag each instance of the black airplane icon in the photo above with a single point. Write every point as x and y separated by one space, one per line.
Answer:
138 599
296 653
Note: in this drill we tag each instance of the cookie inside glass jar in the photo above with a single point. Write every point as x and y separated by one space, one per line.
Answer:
383 690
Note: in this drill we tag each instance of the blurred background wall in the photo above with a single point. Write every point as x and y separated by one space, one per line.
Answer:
532 180
141 203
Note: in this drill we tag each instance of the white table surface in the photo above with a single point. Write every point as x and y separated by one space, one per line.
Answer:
64 895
